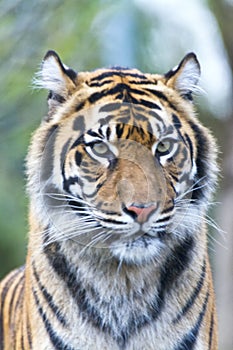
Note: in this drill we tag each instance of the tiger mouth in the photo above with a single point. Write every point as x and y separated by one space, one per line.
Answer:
142 236
159 234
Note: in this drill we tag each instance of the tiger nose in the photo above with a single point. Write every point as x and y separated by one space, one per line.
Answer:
140 212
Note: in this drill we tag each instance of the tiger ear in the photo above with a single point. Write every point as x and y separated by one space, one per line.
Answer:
185 76
55 77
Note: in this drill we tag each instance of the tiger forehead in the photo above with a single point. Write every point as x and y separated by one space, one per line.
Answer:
140 134
128 121
115 120
117 75
126 85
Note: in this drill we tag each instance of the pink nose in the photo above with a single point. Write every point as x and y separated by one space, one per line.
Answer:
140 212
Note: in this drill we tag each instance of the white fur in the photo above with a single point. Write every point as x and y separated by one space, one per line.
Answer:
50 76
188 78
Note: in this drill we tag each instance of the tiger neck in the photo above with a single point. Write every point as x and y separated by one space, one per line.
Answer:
118 300
107 276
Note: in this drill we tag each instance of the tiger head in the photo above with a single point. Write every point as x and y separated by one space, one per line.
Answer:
120 162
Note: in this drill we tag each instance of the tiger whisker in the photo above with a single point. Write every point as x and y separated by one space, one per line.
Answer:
191 188
68 234
207 219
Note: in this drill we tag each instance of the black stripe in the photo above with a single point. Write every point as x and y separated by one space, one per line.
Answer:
177 124
119 88
3 297
149 104
156 116
29 333
112 221
80 106
56 341
167 210
165 219
19 304
190 146
119 73
69 182
173 268
201 161
184 153
175 178
88 311
79 141
78 158
162 97
22 337
71 74
79 124
211 329
124 87
106 211
189 340
100 83
110 107
49 299
140 117
108 133
129 89
124 120
48 153
113 162
64 152
18 285
173 186
145 103
106 120
143 82
73 179
119 130
194 295
56 97
94 134
90 178
78 206
97 188
96 96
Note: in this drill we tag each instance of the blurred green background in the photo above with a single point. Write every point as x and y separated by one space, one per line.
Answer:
150 35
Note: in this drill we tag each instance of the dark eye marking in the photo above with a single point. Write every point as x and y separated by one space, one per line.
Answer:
78 157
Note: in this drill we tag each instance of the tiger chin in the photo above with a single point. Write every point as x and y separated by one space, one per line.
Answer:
120 176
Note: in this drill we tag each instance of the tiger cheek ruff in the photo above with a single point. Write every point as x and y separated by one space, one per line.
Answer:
120 175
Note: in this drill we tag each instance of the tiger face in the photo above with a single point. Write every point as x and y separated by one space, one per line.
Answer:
122 161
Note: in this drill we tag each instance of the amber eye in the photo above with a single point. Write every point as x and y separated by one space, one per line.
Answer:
100 149
164 147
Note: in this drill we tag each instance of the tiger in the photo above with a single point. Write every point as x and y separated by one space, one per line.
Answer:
120 175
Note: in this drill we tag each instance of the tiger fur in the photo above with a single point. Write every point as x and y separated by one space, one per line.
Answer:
120 175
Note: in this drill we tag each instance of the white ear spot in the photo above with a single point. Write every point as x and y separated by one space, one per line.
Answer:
52 75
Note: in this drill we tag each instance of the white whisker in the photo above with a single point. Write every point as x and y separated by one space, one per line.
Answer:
191 188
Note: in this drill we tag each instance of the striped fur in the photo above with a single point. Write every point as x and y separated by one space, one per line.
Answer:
120 175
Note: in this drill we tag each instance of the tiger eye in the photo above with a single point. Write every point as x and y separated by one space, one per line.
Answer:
164 147
100 149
